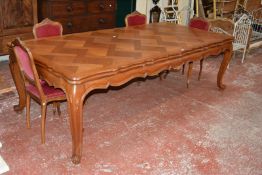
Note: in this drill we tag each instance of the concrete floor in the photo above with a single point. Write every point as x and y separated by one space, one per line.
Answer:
156 128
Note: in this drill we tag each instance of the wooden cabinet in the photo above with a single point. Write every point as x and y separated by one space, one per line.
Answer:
124 7
17 18
79 15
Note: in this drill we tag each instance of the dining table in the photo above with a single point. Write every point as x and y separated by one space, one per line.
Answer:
81 62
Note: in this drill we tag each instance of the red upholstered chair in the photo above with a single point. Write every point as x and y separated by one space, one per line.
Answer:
47 28
199 23
36 88
202 24
135 18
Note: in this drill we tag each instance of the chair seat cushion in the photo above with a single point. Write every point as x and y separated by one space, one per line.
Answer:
49 91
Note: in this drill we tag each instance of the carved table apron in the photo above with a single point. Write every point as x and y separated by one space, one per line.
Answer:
81 62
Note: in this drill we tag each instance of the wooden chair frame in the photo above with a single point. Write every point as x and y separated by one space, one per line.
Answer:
42 99
190 64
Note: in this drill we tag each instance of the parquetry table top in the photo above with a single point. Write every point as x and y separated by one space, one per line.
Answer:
84 55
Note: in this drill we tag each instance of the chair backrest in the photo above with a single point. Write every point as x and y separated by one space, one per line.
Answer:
26 64
199 23
242 30
47 28
135 18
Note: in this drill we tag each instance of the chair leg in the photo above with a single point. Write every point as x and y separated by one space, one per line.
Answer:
201 67
166 73
189 72
54 107
244 55
58 108
43 118
163 75
183 69
28 101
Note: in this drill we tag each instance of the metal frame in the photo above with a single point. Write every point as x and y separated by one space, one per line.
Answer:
241 34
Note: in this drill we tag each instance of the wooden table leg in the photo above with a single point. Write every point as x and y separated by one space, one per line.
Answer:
75 108
223 67
19 82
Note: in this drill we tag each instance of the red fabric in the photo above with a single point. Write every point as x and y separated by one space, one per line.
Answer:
47 30
136 20
199 24
49 91
24 61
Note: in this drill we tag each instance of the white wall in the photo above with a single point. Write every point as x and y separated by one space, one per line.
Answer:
141 6
4 58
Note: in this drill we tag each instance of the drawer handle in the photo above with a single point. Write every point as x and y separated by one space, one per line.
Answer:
69 25
102 21
69 8
101 6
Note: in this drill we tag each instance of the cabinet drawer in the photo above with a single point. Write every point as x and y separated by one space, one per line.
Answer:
98 6
74 24
79 15
57 9
102 21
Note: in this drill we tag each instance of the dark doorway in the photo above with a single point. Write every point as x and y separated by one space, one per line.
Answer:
124 7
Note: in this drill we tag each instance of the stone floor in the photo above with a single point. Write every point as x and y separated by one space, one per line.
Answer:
156 128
